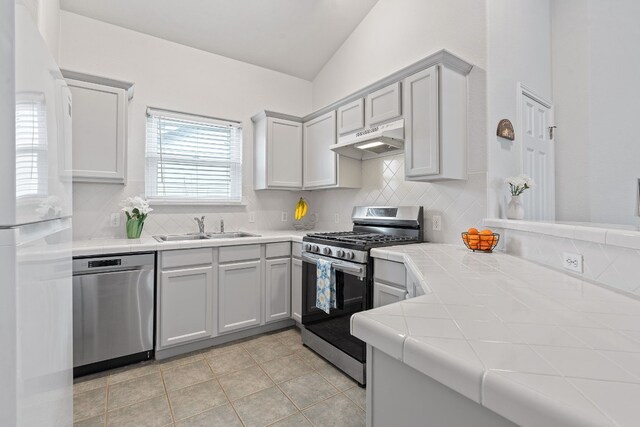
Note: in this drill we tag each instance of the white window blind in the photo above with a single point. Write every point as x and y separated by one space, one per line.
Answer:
31 146
192 159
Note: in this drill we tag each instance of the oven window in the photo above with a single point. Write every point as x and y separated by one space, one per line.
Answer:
335 327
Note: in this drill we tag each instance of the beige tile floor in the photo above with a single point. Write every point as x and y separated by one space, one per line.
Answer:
269 380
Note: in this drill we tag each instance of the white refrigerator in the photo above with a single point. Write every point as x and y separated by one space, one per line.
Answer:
36 383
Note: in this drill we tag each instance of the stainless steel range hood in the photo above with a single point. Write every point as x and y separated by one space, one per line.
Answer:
381 140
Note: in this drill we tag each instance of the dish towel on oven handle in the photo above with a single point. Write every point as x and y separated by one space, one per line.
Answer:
325 286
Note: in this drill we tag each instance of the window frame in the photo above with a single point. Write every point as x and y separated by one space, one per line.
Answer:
154 199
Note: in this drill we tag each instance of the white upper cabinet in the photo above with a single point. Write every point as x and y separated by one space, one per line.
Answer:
99 129
435 112
351 117
278 153
421 124
383 104
320 163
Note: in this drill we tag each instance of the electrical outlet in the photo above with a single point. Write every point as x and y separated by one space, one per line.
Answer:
436 223
336 218
284 216
115 219
252 217
571 261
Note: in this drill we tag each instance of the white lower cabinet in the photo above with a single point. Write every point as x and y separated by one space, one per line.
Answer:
296 289
239 296
186 305
277 289
385 294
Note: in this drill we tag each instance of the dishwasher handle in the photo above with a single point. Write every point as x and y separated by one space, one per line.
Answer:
95 265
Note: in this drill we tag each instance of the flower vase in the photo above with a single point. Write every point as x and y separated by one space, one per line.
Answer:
134 228
515 210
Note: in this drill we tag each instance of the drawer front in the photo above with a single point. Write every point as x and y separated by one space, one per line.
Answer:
278 250
239 253
185 257
296 250
390 272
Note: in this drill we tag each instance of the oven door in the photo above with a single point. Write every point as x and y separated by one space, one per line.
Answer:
353 292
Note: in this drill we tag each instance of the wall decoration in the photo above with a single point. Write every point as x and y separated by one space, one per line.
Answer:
505 130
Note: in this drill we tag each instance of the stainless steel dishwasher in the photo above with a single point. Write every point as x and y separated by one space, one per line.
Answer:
113 311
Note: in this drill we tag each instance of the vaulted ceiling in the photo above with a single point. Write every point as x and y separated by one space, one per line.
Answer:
296 37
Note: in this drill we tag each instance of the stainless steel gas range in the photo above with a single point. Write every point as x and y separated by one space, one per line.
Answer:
373 227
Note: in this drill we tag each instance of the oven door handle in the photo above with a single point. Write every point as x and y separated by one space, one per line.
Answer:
338 266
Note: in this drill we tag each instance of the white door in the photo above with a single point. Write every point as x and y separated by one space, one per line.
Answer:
296 289
383 104
320 163
538 158
422 144
351 117
239 296
278 289
99 132
284 166
385 294
186 305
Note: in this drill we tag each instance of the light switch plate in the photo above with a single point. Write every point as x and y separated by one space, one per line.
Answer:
284 216
336 218
572 262
252 217
115 219
436 223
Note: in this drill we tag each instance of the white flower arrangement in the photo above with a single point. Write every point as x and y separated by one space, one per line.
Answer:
136 208
517 184
50 208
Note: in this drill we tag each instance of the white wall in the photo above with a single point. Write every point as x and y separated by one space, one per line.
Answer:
46 14
595 46
570 59
397 33
519 50
169 75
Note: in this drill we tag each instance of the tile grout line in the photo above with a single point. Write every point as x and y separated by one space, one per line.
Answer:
166 395
225 394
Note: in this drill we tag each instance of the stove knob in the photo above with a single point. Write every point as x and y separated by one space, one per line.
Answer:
307 247
349 255
340 253
315 248
326 251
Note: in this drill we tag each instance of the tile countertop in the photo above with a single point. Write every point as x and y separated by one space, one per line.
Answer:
94 247
532 344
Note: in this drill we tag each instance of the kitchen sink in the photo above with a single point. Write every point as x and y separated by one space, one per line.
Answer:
207 236
231 235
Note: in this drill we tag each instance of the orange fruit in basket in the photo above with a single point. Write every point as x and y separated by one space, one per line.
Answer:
486 239
474 241
472 230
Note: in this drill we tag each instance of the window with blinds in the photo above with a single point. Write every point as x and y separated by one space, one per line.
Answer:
192 159
31 146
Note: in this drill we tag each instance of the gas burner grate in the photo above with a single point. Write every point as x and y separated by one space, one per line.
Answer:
361 237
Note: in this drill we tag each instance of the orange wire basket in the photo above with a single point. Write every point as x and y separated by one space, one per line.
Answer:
481 242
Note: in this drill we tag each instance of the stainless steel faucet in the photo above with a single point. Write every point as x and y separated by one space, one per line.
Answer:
222 225
200 222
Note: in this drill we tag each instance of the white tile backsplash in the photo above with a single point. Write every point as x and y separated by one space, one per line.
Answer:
93 205
612 266
460 203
